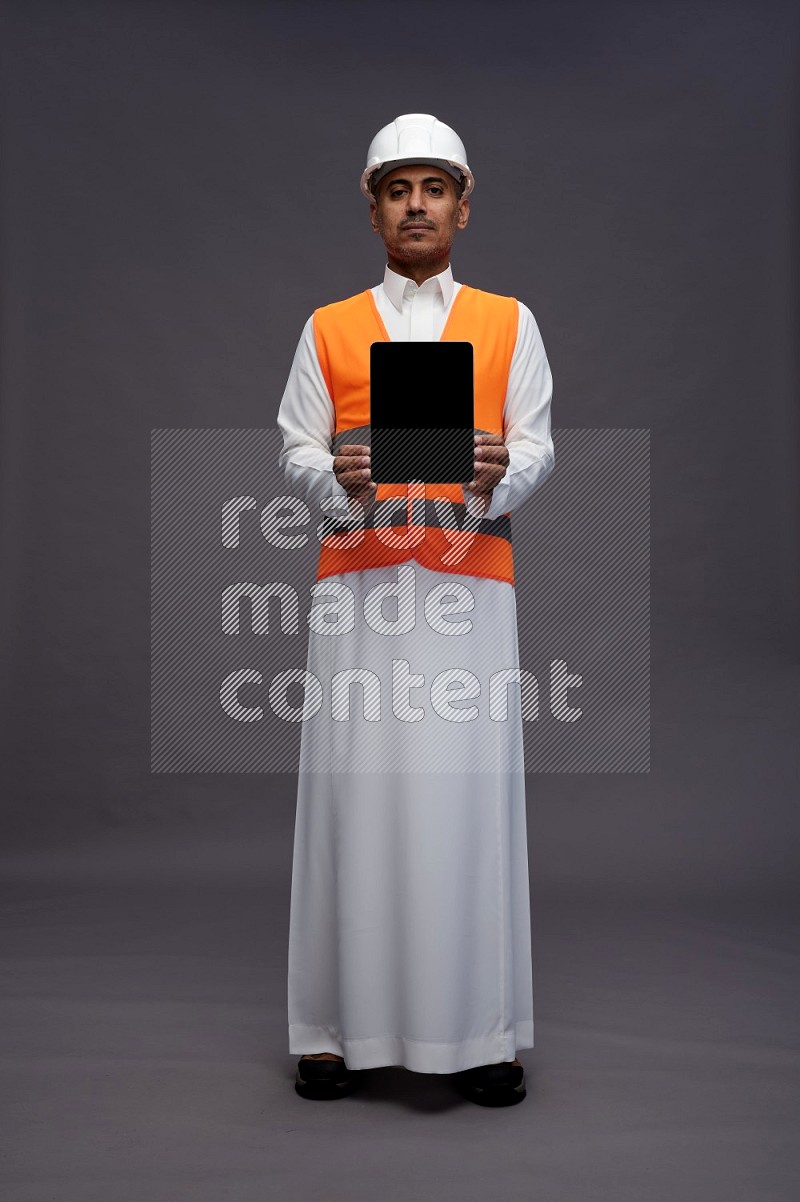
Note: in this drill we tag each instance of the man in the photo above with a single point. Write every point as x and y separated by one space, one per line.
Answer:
409 939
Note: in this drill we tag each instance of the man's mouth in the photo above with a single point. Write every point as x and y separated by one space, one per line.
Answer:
417 227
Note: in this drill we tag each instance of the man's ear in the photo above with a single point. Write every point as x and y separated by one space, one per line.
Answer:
373 215
463 213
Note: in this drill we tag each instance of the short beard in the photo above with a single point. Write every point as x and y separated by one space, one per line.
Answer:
416 252
411 252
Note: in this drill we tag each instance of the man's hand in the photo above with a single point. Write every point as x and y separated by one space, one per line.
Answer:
352 469
491 461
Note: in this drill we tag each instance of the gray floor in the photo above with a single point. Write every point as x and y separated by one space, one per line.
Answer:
144 1042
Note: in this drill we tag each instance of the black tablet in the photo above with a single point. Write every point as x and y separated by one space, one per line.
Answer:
422 412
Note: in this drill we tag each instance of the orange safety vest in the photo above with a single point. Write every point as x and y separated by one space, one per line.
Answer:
344 332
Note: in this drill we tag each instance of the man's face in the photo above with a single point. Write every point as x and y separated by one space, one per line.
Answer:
417 212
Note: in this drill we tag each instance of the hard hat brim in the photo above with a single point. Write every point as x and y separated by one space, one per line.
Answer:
383 168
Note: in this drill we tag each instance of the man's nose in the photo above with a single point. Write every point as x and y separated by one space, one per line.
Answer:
416 200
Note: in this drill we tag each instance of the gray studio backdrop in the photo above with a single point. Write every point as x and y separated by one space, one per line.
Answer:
179 191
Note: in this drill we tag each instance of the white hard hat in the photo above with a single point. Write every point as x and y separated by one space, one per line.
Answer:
416 138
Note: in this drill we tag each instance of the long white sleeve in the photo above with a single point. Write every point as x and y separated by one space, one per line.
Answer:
306 419
526 420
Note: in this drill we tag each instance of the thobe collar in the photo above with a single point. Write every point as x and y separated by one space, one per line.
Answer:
397 286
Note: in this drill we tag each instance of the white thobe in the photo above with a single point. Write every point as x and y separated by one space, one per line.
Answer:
409 933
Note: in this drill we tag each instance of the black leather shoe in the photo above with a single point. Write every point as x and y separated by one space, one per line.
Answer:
323 1079
493 1084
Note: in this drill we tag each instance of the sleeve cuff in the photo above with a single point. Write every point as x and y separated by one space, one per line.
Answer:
499 502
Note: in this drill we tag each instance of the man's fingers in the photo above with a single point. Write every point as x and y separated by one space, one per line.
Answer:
362 490
356 467
491 461
352 465
352 469
487 475
352 455
353 479
492 454
490 449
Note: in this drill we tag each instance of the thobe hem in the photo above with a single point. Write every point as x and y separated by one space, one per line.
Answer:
419 1056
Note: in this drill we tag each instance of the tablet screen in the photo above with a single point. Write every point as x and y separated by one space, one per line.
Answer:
422 412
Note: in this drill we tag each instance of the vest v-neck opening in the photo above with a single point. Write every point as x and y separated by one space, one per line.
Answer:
385 333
